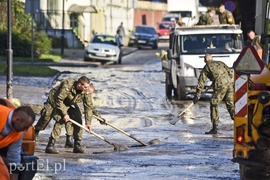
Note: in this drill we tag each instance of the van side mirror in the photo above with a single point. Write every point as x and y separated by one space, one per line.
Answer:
169 54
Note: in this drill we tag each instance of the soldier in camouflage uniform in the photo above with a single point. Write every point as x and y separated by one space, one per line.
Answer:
63 99
253 40
207 19
46 114
225 16
221 77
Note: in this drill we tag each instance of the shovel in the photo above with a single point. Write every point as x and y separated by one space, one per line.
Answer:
117 147
152 142
176 119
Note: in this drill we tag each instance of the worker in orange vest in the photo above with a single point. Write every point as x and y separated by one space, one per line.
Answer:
13 121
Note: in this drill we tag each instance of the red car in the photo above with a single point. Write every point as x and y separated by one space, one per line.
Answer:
163 30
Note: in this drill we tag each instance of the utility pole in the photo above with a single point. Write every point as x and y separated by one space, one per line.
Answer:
63 29
9 53
32 32
111 18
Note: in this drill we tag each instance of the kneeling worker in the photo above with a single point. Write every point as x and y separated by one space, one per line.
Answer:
13 122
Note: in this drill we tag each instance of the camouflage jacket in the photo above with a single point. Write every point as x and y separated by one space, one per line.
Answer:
218 72
205 19
63 96
226 17
255 42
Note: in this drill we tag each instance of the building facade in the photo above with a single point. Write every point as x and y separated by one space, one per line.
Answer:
78 20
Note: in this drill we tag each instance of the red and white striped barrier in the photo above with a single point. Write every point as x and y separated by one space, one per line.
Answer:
241 96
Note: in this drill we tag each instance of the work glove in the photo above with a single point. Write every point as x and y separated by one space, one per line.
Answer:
195 99
102 121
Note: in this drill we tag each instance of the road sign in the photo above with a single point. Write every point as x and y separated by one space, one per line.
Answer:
248 62
230 5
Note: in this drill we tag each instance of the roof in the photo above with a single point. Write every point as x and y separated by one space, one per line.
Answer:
145 26
82 9
166 22
212 29
221 26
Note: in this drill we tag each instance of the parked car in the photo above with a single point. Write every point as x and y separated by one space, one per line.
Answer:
104 48
143 36
163 30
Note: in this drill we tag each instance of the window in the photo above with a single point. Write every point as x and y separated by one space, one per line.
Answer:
211 43
73 20
165 26
52 6
105 40
146 30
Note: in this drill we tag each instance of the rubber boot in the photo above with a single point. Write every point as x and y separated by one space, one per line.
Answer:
232 114
77 147
36 135
68 144
213 130
50 147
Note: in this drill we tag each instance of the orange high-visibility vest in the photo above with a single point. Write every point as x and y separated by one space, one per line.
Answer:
4 175
260 51
13 136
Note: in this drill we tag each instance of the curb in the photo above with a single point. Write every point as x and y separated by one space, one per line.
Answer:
74 63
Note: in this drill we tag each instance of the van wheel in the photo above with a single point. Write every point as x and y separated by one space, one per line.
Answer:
168 86
181 92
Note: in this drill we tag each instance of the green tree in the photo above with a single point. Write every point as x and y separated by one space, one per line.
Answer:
21 32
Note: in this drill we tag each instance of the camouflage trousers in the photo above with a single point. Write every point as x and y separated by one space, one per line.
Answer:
46 114
75 114
222 94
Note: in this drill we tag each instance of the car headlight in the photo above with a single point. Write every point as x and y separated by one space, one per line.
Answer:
113 51
152 39
132 37
189 70
89 49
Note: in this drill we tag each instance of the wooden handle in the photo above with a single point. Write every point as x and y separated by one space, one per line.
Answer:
122 131
95 134
187 108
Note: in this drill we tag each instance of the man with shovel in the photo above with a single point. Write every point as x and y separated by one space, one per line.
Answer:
64 98
221 77
46 114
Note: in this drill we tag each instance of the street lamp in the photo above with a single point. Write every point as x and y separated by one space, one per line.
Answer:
32 32
9 53
63 28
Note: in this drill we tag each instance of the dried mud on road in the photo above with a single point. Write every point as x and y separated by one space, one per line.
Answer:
132 98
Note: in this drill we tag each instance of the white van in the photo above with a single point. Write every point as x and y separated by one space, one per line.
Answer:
187 10
188 46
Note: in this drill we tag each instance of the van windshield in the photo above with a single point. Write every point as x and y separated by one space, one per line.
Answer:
211 43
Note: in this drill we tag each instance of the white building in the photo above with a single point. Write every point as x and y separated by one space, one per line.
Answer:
76 20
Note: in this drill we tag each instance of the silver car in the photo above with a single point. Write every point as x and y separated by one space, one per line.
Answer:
104 48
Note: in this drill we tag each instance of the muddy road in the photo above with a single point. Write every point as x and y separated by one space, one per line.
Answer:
131 96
